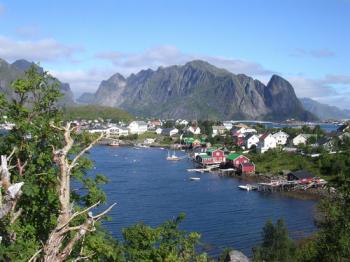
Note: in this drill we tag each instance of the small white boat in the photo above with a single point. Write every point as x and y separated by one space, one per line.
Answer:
173 157
195 178
247 187
114 143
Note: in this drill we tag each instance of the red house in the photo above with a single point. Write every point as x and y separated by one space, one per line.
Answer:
237 159
213 156
217 155
247 168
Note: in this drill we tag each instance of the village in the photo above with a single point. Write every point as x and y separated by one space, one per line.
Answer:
225 148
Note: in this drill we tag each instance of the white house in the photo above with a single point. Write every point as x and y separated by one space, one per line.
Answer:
159 131
266 142
300 139
251 140
281 137
97 130
170 131
218 130
119 130
182 122
137 127
194 130
228 125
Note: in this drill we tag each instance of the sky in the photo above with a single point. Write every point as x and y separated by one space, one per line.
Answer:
84 42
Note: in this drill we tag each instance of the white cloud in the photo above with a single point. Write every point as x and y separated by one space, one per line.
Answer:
170 55
47 49
83 80
325 90
315 53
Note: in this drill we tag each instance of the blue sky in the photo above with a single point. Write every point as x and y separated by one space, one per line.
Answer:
84 42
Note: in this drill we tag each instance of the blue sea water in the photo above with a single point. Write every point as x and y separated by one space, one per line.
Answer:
150 189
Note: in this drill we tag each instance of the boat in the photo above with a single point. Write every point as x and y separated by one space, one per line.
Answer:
114 143
195 178
173 157
247 187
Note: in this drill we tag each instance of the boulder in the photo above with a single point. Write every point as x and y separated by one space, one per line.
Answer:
236 256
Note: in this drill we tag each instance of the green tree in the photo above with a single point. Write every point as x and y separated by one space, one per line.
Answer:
164 243
276 244
333 239
36 212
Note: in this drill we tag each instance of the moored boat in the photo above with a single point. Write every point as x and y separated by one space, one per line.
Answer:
173 157
195 178
247 187
114 143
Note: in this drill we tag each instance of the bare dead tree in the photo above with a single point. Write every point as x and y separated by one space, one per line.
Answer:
9 193
58 247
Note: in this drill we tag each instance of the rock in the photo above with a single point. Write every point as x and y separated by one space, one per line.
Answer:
199 90
236 256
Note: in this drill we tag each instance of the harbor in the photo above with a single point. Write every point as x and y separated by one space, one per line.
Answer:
151 189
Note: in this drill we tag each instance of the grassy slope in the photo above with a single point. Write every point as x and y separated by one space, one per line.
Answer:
90 112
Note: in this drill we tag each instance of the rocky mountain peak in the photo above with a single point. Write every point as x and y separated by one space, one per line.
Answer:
201 90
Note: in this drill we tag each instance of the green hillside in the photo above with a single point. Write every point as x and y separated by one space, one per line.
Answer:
90 112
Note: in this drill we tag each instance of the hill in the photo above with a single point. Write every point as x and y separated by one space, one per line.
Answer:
10 72
91 112
324 111
199 90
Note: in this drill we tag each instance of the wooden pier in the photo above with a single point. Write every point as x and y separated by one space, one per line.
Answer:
284 185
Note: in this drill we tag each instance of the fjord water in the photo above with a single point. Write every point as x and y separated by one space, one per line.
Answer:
148 188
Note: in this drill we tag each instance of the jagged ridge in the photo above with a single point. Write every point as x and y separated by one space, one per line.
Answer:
200 90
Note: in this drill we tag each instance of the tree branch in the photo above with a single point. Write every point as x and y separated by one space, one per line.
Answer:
82 152
33 258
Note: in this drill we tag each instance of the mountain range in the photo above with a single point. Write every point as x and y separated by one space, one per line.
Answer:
199 90
10 72
324 111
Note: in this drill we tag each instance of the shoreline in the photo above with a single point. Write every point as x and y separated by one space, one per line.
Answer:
310 194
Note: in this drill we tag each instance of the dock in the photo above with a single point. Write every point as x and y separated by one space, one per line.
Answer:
284 185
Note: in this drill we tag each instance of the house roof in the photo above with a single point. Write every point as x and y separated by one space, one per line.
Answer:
140 122
240 125
302 174
264 136
204 156
250 135
211 149
247 164
324 140
233 156
168 130
219 127
280 133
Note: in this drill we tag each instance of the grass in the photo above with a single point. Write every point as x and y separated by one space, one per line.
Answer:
91 112
275 162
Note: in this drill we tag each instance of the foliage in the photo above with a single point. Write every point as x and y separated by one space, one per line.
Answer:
169 124
276 244
333 241
92 112
275 161
163 243
129 137
32 111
